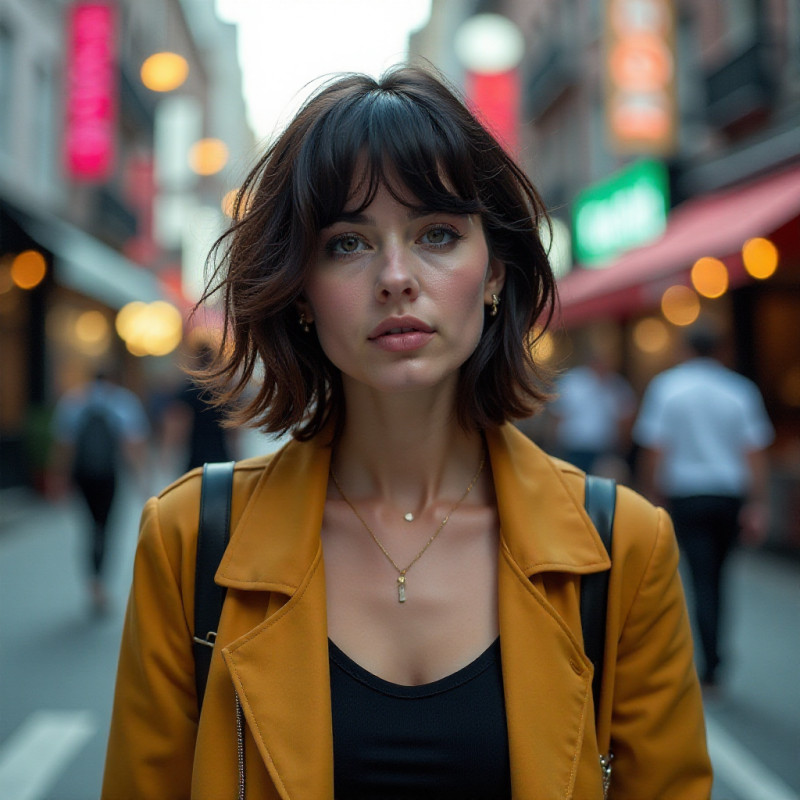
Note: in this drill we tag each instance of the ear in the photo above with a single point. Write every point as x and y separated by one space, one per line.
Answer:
495 279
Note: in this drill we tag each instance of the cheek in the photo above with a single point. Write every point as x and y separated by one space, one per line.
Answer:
330 301
465 295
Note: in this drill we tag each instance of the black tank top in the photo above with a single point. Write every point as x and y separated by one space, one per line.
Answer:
446 739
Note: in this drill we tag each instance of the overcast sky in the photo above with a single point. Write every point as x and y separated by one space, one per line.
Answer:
285 44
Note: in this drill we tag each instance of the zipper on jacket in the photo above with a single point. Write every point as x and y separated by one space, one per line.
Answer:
605 768
240 745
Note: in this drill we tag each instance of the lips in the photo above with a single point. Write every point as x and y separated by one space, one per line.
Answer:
400 325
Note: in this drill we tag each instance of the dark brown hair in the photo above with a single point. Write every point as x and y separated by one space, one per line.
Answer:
409 132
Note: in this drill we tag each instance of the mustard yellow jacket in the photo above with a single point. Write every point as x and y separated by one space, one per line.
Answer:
272 649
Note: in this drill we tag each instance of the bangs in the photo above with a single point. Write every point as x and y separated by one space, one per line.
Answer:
381 138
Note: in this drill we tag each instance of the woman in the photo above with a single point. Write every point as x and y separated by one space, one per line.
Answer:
402 580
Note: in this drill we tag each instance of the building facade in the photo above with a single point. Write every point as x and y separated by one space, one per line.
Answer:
713 104
83 198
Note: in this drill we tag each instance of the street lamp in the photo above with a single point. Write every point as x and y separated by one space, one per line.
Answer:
490 47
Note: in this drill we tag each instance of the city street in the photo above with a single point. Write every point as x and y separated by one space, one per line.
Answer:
57 662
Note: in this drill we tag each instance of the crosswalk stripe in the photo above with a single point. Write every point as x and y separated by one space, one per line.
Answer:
32 758
737 766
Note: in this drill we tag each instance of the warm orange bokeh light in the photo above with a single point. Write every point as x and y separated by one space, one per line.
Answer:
680 305
650 335
228 202
150 329
710 277
28 269
760 257
91 327
542 346
208 156
163 72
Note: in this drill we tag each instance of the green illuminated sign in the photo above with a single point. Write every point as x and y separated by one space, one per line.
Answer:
626 210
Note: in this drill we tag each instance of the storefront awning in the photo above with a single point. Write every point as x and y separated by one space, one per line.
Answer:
712 225
90 266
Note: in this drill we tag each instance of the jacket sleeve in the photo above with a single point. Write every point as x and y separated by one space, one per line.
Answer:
657 732
154 719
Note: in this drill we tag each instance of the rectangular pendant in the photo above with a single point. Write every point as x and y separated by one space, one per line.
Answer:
401 589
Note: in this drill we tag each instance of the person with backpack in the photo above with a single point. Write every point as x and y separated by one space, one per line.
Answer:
401 594
96 428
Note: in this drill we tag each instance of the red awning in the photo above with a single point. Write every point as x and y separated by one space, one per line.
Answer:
711 225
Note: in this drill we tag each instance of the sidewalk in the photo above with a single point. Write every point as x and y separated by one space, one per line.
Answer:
756 708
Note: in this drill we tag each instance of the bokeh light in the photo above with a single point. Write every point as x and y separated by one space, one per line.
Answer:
229 202
710 277
92 327
680 305
760 257
150 329
543 347
650 335
28 269
208 156
163 72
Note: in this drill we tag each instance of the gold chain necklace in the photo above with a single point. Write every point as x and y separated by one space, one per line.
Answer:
401 576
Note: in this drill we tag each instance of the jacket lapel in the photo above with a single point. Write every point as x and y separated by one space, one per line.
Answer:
547 677
280 668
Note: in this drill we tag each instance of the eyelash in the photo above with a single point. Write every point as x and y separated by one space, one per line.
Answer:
330 247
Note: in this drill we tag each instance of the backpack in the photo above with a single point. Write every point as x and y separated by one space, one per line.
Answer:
96 444
212 539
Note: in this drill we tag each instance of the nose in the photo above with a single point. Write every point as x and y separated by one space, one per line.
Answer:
397 276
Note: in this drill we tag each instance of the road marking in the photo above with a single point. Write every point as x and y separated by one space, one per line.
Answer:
36 753
737 766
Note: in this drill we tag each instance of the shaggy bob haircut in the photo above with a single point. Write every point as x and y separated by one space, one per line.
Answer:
408 132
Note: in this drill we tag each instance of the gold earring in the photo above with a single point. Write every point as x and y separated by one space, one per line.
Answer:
495 305
303 323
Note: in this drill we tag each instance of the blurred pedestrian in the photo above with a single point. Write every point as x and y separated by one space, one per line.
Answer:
96 428
704 429
194 423
594 411
402 615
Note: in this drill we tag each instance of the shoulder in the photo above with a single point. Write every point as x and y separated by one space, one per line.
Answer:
739 383
636 519
639 526
172 516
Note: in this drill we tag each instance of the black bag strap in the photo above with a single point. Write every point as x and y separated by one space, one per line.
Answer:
213 531
600 503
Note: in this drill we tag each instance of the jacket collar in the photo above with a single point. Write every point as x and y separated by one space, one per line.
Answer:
277 536
543 523
542 519
280 668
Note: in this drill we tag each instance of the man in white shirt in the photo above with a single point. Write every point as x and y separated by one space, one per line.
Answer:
704 430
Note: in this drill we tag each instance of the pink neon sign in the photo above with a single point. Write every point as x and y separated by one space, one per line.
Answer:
90 134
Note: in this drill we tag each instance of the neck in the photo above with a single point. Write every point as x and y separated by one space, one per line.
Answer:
406 451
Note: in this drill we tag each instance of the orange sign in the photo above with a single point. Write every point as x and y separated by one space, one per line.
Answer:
640 76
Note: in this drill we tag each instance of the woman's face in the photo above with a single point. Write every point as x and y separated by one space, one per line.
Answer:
398 295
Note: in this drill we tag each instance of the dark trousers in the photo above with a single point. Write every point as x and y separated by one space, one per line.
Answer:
706 527
98 491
